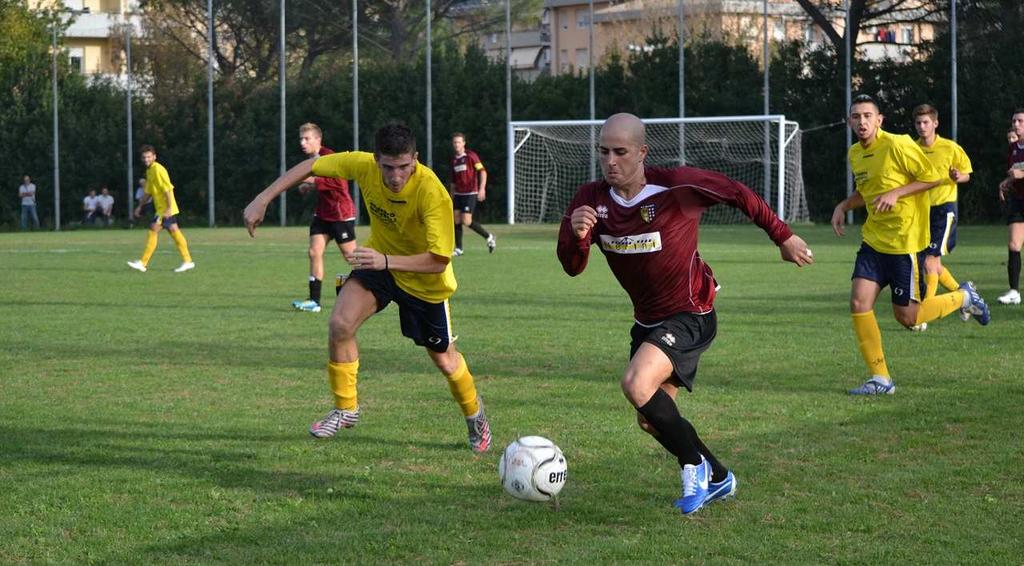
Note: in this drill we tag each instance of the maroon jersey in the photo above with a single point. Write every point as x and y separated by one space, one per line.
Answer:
1015 160
464 172
650 242
333 202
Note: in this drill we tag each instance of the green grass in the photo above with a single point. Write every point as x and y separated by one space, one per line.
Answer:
162 418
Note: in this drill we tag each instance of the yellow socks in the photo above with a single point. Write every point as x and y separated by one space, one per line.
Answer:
342 377
947 281
931 284
150 247
940 306
463 389
181 244
869 339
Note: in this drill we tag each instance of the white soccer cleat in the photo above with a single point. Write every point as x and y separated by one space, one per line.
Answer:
457 252
137 265
1011 297
185 267
920 327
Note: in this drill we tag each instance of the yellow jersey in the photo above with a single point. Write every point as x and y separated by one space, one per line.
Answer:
415 220
892 161
945 155
158 186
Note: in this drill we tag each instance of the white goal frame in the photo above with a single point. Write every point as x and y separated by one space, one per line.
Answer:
784 149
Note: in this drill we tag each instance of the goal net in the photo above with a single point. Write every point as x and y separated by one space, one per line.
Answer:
550 160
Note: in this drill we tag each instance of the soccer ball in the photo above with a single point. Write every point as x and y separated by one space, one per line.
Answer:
532 468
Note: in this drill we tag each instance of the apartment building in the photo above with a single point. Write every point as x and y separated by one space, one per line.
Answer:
90 41
626 25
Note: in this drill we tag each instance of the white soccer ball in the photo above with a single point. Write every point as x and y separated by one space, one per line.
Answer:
532 468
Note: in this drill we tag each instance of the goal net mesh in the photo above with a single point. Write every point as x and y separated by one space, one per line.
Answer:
551 161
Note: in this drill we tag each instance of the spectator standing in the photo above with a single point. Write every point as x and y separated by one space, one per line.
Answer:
27 192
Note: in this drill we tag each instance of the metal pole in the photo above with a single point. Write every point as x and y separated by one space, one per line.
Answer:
953 64
56 139
209 110
509 133
766 92
355 99
590 73
282 79
430 101
846 111
128 107
682 82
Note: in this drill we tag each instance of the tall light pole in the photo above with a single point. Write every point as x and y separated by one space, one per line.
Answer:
682 81
56 139
355 97
209 110
846 111
767 127
282 78
952 73
128 110
590 75
430 100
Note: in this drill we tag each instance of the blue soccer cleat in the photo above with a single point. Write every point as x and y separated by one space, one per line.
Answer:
976 306
307 306
877 385
695 487
722 489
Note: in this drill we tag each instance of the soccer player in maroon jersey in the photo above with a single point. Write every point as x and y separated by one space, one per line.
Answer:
1011 191
645 220
333 219
469 186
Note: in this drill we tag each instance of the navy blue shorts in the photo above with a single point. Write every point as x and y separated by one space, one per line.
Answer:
683 337
943 226
464 203
1014 209
427 324
165 222
901 272
340 231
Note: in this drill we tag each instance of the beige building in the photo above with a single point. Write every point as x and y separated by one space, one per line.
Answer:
89 41
627 26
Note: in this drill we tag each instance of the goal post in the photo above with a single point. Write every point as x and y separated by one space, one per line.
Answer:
548 160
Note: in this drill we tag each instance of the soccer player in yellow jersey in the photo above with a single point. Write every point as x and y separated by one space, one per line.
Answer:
406 259
951 161
892 175
160 192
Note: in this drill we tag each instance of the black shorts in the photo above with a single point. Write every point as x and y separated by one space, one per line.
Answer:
427 324
165 222
943 229
683 337
464 203
340 231
1014 209
903 273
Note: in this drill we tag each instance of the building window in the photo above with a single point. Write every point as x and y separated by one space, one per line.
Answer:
76 59
582 18
564 65
76 5
908 35
779 30
565 20
582 58
808 34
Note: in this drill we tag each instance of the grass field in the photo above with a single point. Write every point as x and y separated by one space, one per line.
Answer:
161 418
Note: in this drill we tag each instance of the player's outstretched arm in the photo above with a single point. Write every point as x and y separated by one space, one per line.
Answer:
369 258
795 250
887 201
852 202
257 209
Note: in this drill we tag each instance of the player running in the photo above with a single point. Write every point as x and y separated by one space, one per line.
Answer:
892 173
950 161
645 220
160 191
469 186
333 219
1011 191
406 259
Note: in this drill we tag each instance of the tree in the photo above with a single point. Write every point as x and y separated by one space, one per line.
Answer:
822 13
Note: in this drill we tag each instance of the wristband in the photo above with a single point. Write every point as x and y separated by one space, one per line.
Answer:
385 262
